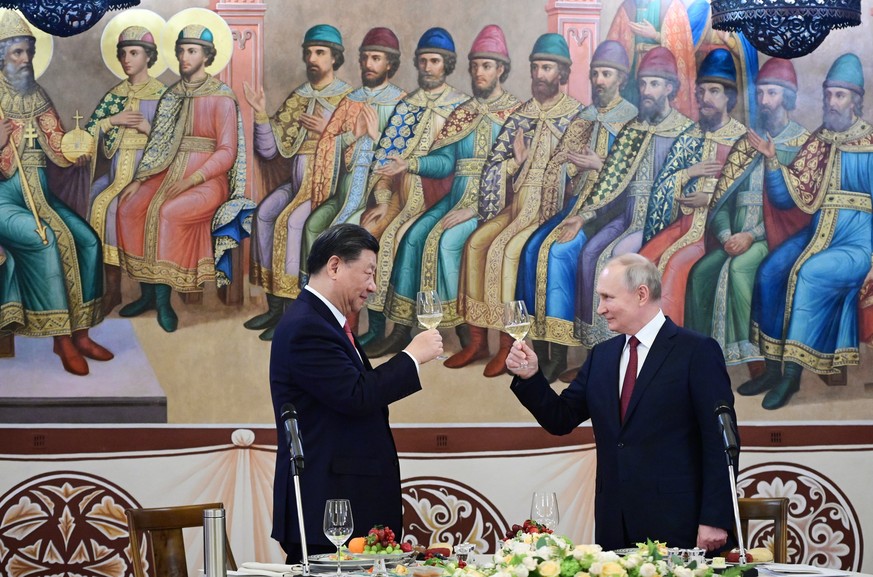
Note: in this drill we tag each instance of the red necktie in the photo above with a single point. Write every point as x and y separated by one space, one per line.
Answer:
630 376
349 334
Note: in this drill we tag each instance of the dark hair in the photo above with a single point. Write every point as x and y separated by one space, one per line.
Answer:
152 53
564 72
346 241
449 62
729 91
208 51
506 67
393 63
338 55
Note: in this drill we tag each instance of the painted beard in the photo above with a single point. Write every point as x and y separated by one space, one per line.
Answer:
767 119
543 90
314 74
650 109
430 81
486 91
373 81
837 120
602 96
22 80
709 118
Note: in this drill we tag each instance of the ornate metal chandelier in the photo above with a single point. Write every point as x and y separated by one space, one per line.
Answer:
785 28
65 17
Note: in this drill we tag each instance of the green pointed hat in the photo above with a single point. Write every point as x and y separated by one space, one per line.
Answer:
552 47
846 72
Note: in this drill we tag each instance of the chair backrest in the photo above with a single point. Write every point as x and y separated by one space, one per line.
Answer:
161 530
776 510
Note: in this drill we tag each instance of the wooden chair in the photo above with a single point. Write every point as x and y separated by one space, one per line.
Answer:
776 510
162 531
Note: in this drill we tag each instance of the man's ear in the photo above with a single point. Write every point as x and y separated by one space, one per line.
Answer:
643 294
333 266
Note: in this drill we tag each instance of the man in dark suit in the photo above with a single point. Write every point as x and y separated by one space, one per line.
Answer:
341 400
661 467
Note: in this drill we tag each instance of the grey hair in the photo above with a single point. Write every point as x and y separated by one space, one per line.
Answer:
5 44
639 271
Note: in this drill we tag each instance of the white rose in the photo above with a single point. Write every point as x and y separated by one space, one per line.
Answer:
501 574
701 570
498 558
529 563
682 572
596 568
647 570
544 552
609 556
520 548
520 571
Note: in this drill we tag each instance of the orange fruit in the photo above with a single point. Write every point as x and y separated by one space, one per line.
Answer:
356 545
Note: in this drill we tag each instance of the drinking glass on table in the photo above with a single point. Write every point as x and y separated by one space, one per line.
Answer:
516 322
338 525
429 310
544 509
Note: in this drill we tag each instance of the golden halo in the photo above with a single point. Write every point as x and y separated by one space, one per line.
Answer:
44 46
221 35
139 17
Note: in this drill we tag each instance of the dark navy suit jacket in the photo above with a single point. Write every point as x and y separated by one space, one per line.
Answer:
664 471
342 406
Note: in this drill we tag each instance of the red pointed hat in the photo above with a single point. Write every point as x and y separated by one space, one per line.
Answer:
778 71
382 40
660 62
490 43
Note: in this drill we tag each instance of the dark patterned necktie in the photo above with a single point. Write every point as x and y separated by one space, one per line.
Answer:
630 376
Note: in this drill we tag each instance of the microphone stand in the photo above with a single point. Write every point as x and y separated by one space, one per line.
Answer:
736 501
295 472
732 453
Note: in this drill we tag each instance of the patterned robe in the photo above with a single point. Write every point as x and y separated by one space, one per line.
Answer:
674 245
624 184
547 273
718 299
805 306
342 165
670 19
411 130
277 226
429 256
510 206
184 241
123 147
46 288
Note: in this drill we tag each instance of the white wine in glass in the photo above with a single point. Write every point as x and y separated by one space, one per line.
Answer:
338 525
429 310
516 322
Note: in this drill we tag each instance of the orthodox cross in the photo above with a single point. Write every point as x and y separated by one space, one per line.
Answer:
30 135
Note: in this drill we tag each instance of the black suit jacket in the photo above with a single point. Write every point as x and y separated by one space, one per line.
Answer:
664 471
342 406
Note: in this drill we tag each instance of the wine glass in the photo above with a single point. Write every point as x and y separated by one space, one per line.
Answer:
516 322
429 310
338 525
544 509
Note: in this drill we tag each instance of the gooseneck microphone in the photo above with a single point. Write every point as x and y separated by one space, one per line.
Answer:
725 417
288 416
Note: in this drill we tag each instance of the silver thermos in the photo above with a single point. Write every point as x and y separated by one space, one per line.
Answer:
214 545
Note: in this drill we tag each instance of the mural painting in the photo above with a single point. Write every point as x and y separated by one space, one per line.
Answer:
501 155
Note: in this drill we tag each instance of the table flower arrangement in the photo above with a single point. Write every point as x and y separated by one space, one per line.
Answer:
550 555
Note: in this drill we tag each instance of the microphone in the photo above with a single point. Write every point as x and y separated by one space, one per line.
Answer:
288 416
725 418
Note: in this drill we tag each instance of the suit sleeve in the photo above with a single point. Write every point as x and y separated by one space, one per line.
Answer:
557 414
319 362
710 387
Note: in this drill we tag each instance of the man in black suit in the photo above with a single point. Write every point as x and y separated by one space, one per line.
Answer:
341 400
661 467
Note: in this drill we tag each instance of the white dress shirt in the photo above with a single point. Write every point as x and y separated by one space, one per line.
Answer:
646 336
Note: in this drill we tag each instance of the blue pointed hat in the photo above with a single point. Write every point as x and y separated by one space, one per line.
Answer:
436 40
323 35
718 66
552 47
846 72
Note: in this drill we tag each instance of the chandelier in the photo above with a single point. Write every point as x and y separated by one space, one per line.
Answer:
785 28
65 17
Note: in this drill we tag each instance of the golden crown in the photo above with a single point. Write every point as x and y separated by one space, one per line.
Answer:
12 25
